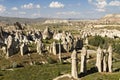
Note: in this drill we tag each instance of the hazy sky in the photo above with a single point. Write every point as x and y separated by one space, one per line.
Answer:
59 8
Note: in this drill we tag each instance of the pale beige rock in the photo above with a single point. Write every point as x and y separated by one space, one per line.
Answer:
65 45
23 49
9 46
60 52
54 48
39 46
86 41
104 60
99 59
110 58
47 34
74 68
83 60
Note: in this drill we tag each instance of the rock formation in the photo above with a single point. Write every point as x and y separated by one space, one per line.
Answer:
83 60
74 69
99 59
23 49
110 58
39 46
54 48
47 34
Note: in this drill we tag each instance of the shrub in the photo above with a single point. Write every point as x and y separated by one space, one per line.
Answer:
105 42
96 41
51 61
116 47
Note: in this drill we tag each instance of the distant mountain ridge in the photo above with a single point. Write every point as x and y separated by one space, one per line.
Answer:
12 20
114 18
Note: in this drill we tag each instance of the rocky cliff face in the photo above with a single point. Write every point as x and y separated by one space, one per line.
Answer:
111 18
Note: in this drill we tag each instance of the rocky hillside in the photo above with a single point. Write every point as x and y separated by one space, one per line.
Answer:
111 18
